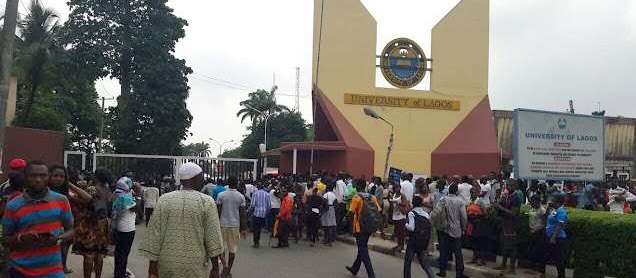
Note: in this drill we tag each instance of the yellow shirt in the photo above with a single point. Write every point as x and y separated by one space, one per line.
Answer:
356 208
321 187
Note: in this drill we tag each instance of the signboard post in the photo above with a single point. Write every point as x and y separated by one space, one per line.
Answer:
395 175
558 146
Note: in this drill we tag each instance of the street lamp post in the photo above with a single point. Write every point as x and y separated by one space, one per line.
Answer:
221 144
371 113
266 116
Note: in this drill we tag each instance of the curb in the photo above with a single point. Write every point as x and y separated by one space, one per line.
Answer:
469 270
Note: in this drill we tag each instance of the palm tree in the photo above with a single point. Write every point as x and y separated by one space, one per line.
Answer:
197 149
261 100
39 32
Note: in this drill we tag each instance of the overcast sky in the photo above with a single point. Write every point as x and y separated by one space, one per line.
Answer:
542 53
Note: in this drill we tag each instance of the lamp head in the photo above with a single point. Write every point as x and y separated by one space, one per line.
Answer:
371 113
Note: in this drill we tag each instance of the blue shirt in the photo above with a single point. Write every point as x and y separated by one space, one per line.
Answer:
560 215
217 189
260 203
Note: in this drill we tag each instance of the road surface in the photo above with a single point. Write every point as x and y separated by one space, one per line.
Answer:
300 260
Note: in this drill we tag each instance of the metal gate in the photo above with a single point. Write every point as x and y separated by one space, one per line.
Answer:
155 167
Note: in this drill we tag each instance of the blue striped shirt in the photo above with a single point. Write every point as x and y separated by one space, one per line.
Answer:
260 203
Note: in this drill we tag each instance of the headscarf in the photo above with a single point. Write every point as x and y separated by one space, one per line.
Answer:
123 198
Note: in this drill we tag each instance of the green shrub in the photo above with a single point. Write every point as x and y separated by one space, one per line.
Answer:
600 243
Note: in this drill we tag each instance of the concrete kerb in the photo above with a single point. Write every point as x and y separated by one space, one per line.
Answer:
469 269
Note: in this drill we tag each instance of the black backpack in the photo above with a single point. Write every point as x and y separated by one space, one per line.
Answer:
422 234
370 216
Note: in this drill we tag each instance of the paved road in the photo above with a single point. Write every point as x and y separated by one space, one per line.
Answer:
298 261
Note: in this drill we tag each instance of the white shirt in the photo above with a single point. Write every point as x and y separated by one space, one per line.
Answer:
151 196
486 189
274 200
340 189
463 190
410 223
406 188
330 197
126 221
397 214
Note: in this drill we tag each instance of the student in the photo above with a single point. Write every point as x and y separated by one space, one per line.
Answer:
361 235
398 203
232 205
537 217
312 215
328 219
419 228
34 226
556 235
508 207
450 239
123 224
259 208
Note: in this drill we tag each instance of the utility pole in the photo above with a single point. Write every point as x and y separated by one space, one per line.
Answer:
297 104
101 124
6 61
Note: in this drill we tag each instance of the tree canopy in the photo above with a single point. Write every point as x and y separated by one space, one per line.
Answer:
134 42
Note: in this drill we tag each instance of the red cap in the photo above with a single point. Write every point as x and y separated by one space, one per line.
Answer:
17 164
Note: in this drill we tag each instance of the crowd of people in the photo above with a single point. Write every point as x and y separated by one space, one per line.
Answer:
198 225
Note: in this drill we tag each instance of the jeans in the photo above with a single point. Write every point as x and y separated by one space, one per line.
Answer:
411 252
450 245
123 243
362 241
257 225
283 233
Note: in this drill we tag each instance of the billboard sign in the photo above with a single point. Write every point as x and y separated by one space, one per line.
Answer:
558 146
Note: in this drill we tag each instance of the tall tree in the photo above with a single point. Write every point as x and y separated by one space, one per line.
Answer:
196 149
134 41
261 100
39 33
53 93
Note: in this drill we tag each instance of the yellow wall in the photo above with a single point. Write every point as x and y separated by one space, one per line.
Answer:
348 65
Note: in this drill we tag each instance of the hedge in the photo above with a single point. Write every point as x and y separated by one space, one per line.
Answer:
600 243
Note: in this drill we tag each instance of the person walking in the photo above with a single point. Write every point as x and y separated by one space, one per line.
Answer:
419 228
557 236
365 209
284 220
400 207
259 207
92 223
184 235
312 215
231 205
123 224
328 219
35 224
151 196
451 237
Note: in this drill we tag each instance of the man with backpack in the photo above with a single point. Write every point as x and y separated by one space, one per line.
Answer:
419 228
367 219
449 219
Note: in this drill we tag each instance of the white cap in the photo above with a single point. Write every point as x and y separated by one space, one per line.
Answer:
189 170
